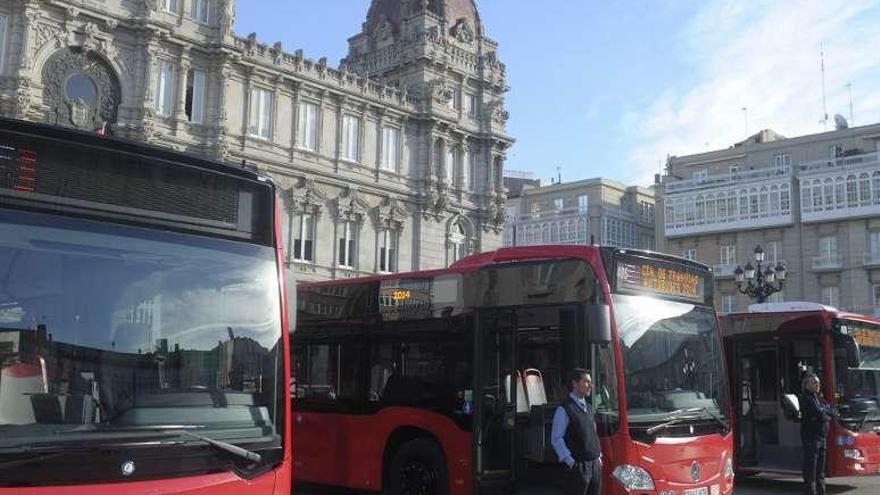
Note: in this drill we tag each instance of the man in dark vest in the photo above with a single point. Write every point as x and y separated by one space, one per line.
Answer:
817 415
575 438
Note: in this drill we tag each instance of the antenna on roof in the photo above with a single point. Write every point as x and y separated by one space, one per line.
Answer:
559 175
849 88
824 102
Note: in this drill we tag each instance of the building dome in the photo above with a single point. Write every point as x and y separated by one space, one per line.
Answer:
395 11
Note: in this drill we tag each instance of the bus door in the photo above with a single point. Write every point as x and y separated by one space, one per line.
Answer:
499 395
522 357
757 419
745 407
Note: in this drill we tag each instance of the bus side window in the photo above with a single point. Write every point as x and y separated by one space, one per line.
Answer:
382 367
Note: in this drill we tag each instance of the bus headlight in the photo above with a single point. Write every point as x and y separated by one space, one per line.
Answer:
852 454
633 477
728 467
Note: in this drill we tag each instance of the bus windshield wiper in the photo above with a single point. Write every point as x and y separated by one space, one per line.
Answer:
715 416
226 447
48 450
674 418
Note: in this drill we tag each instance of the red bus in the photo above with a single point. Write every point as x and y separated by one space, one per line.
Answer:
770 348
445 382
142 317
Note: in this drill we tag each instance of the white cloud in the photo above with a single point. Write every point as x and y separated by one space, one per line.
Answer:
764 57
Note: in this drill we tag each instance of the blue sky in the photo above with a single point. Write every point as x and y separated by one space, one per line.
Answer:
610 88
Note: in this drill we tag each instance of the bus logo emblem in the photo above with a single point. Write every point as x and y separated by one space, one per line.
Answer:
695 471
127 468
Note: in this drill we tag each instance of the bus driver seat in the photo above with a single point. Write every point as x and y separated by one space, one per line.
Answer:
522 402
537 395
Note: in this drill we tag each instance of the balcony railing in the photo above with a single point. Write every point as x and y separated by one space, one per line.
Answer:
872 259
827 262
724 270
854 162
725 179
564 212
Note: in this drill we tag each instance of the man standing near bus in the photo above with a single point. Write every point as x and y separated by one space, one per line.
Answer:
816 417
575 438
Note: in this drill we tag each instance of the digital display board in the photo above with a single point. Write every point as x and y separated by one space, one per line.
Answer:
864 336
406 299
655 277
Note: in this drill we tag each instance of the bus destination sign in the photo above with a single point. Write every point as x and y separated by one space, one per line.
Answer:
638 275
866 337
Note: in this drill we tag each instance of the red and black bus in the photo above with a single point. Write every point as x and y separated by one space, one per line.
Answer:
445 382
770 348
143 341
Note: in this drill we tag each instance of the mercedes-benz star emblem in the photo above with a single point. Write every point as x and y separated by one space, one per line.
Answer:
127 468
695 471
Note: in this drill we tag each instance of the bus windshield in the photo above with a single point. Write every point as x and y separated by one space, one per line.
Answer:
112 333
858 388
673 365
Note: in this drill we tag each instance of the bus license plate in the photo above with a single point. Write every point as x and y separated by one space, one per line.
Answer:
696 491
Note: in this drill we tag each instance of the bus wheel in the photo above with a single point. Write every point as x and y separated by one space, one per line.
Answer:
418 468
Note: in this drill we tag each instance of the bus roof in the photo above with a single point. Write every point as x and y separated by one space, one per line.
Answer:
124 145
793 316
518 253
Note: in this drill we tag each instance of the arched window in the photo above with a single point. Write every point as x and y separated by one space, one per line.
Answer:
817 194
774 200
451 165
852 198
828 193
710 208
554 232
731 205
743 203
864 189
839 192
459 239
785 199
700 209
722 208
545 233
875 187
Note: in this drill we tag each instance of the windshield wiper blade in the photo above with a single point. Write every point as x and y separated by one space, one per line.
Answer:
675 418
717 417
227 447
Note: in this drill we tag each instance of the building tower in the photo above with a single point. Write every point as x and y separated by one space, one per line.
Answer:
438 54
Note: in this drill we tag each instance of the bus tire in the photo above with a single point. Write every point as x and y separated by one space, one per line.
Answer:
418 468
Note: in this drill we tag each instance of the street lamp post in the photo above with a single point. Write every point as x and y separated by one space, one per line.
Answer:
758 282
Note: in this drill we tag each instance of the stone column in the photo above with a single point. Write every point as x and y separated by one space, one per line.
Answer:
183 67
297 87
340 105
380 136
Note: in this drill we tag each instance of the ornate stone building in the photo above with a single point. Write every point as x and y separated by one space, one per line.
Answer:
391 161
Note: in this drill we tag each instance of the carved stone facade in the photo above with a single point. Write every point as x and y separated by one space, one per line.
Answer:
397 153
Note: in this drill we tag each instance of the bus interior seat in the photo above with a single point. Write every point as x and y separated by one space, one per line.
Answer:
536 393
522 402
47 409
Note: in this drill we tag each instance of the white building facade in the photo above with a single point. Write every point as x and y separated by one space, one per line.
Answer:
812 203
390 161
599 211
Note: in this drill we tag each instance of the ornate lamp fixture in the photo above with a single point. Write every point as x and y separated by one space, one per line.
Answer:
758 282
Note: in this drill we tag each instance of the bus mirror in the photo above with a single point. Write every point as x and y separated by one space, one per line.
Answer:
599 323
853 353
